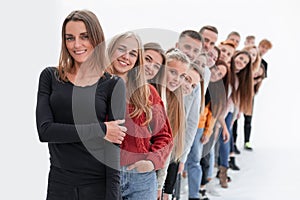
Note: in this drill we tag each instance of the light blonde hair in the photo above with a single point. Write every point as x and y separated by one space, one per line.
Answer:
138 92
175 106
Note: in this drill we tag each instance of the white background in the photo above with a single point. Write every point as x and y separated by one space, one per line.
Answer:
30 41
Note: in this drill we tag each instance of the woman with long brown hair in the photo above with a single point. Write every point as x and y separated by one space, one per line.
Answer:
78 103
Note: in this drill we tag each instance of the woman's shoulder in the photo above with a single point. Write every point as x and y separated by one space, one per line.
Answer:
111 82
112 79
49 72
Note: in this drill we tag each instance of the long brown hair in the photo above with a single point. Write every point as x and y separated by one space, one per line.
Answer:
242 95
138 91
96 38
216 94
159 80
257 61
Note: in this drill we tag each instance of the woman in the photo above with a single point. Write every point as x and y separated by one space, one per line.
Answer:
177 65
75 101
155 69
238 86
148 141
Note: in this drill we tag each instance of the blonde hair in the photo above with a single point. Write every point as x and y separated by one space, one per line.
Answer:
175 107
138 92
256 63
96 37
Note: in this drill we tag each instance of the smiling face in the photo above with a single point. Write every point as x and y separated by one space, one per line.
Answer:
189 46
210 39
253 53
211 57
235 39
175 74
153 62
77 42
263 49
191 79
241 62
125 56
227 52
217 72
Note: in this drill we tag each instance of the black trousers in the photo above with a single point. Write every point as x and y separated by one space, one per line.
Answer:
204 162
247 127
234 131
59 191
171 178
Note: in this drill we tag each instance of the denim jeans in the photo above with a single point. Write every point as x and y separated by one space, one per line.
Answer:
137 186
193 165
211 163
224 148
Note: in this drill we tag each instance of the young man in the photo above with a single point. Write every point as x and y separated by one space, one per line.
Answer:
209 35
250 40
263 47
234 37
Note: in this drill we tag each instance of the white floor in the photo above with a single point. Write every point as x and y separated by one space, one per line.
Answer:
272 170
266 173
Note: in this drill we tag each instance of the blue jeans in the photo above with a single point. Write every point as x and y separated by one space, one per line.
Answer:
211 162
225 147
137 186
193 165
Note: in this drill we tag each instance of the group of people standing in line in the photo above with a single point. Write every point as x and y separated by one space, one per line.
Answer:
122 120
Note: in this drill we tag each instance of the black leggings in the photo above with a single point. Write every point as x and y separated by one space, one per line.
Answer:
247 127
171 178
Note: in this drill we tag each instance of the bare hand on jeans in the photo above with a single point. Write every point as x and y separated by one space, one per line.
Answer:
142 166
225 135
115 132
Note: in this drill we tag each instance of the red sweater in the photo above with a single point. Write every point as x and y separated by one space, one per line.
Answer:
153 142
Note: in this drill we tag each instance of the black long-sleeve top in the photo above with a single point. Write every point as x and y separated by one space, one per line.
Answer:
71 119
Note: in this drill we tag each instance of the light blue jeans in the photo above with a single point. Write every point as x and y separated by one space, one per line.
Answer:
225 147
193 165
211 162
137 186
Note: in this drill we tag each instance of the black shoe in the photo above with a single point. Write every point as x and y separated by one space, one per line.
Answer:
232 164
228 178
236 150
203 195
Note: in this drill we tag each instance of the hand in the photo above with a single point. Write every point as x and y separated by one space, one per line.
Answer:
166 196
142 166
159 192
204 139
238 115
115 133
180 167
225 135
